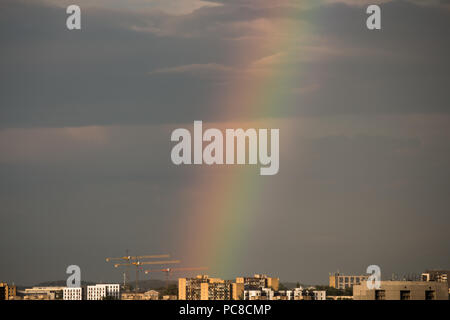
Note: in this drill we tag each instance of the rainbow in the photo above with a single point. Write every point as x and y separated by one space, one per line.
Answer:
223 205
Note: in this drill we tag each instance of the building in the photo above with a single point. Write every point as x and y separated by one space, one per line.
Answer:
103 291
260 281
148 295
436 275
44 293
217 289
257 293
190 288
303 294
204 288
402 290
7 292
341 281
320 295
237 291
74 293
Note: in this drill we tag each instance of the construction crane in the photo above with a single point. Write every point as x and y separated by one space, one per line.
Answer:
138 265
126 274
168 271
128 259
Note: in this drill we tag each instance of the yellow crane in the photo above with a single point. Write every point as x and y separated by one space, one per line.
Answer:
138 265
128 259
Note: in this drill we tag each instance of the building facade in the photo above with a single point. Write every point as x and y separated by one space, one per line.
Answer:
260 281
103 291
148 295
402 290
436 275
74 293
257 293
320 295
341 281
44 293
7 292
204 288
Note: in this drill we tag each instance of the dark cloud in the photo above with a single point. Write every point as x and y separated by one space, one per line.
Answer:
102 74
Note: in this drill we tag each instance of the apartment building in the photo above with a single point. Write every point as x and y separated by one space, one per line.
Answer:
103 291
7 292
402 290
148 295
320 295
74 293
257 293
260 281
43 293
204 288
341 281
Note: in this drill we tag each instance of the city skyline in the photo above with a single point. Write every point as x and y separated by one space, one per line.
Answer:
430 285
86 118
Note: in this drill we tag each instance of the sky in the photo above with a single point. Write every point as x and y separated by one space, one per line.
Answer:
86 118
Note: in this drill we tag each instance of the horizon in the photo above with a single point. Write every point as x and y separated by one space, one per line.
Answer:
87 115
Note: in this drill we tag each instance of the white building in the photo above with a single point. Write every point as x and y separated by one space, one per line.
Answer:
302 294
320 295
74 293
253 293
102 291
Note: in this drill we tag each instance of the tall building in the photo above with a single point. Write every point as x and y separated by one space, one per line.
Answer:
103 291
260 281
341 281
204 288
74 293
402 290
7 292
237 291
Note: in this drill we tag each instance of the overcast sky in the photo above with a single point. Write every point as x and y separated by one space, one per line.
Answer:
86 117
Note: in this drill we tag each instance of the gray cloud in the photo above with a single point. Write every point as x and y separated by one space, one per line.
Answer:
103 74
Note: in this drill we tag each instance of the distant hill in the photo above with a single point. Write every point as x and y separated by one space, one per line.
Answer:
60 283
154 284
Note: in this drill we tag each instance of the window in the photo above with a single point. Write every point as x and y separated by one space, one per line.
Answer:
380 295
405 295
429 295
